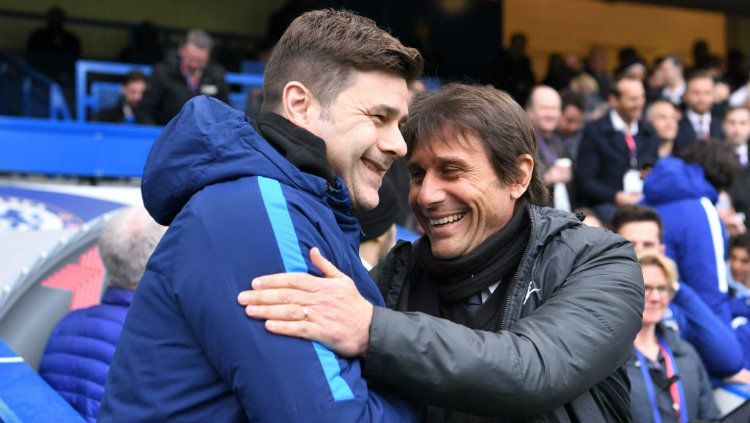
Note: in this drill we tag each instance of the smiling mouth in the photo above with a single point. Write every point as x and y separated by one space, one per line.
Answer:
447 220
376 167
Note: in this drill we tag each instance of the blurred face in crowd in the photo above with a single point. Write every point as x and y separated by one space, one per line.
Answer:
699 95
737 126
739 264
132 92
663 116
361 129
658 293
193 58
457 197
544 109
644 235
632 97
571 120
671 73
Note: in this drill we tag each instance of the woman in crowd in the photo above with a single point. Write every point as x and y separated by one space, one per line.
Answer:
668 380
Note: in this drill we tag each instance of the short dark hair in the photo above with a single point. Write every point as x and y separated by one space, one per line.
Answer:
718 160
698 74
322 48
741 241
676 60
134 76
635 213
733 109
463 110
622 76
570 98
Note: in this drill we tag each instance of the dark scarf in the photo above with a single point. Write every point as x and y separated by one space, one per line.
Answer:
301 147
446 284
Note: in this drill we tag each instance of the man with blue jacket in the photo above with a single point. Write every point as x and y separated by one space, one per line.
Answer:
241 204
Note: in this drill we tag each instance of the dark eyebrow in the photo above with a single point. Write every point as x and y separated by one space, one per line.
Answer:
388 111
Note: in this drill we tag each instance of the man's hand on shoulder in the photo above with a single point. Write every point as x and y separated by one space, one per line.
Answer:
329 310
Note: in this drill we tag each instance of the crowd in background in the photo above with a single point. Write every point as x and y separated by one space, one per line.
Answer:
666 134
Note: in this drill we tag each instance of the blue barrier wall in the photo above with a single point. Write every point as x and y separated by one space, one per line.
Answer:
71 148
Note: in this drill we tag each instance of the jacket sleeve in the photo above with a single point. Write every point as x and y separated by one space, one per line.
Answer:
712 339
275 378
586 174
694 241
575 339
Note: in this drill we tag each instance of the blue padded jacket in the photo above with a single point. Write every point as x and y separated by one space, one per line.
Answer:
237 209
80 349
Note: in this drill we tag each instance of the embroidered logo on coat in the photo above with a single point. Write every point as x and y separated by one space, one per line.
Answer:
532 289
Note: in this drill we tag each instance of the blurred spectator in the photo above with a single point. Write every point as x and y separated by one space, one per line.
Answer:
561 70
698 123
54 50
183 75
631 64
512 69
737 69
668 380
663 116
671 69
133 86
737 134
544 109
585 86
80 348
570 125
701 55
716 343
596 66
739 262
144 46
612 150
684 192
378 227
740 96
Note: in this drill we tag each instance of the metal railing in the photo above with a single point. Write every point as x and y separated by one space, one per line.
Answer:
28 92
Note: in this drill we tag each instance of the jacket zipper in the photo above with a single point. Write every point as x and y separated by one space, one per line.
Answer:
514 287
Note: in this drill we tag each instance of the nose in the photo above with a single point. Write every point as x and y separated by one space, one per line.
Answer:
426 193
392 141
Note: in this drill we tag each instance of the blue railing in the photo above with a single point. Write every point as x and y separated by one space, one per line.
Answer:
88 99
39 96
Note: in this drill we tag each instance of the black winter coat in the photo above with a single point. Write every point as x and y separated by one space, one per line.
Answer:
568 328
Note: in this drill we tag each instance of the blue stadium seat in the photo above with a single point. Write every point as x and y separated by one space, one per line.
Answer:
104 94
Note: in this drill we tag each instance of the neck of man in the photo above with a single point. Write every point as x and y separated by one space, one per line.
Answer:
646 342
369 251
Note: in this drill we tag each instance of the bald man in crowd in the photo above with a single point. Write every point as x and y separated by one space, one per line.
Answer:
544 109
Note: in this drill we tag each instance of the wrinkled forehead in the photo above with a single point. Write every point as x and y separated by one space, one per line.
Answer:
446 135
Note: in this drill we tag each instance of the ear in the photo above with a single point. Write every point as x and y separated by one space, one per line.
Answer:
526 167
662 249
297 103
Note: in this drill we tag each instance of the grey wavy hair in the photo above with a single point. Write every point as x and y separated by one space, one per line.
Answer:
125 245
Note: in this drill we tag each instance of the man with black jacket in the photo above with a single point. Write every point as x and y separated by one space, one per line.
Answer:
504 310
181 76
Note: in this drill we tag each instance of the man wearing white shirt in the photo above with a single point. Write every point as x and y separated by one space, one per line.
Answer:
698 123
671 68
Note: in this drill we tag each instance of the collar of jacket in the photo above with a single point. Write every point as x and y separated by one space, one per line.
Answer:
118 296
303 149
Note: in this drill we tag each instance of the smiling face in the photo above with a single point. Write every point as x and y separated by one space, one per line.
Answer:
658 293
361 129
456 195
